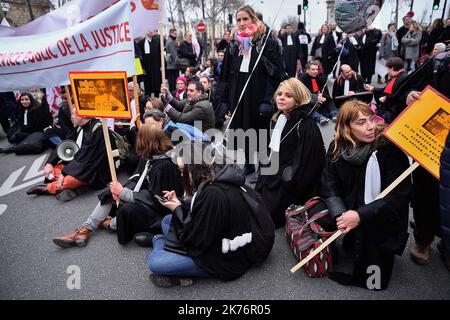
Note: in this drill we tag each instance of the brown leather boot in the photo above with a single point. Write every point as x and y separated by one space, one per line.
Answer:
420 254
79 238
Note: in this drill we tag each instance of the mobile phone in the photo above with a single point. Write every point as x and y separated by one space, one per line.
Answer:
160 198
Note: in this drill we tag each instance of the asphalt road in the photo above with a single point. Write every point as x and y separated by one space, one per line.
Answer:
32 267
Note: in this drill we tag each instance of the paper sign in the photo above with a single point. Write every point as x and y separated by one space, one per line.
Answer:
138 67
421 129
101 94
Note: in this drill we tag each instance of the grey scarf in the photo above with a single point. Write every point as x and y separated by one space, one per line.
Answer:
356 156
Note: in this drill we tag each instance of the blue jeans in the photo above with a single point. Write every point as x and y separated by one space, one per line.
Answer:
169 263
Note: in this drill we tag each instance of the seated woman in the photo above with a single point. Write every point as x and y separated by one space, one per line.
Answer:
360 164
390 108
215 235
180 92
298 145
32 117
138 210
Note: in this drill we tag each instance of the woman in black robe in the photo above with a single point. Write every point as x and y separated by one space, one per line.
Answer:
360 164
255 109
300 153
138 211
215 234
32 117
368 42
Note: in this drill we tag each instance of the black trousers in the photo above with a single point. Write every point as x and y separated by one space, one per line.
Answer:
172 75
425 206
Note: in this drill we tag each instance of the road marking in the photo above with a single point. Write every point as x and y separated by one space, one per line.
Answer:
3 208
8 186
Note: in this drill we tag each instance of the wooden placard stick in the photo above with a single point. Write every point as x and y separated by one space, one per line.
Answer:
161 32
336 235
136 100
69 101
112 167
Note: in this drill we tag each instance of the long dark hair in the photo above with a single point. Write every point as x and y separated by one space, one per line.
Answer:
33 103
200 164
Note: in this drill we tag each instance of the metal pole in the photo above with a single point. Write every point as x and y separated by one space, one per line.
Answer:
443 10
204 33
412 4
396 13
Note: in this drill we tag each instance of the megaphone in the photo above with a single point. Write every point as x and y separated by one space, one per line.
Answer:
66 150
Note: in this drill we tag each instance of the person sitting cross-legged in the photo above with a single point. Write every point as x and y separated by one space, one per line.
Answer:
139 214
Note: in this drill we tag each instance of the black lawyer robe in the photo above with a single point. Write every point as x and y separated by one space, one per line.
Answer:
302 154
329 53
383 228
291 53
355 85
90 163
219 212
152 65
368 52
146 213
351 57
265 80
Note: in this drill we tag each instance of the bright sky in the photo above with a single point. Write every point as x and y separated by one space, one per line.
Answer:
316 15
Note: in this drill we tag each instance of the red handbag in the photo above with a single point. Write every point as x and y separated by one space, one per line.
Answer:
304 234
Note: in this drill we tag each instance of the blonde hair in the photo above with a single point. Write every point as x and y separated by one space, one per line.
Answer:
348 113
252 14
299 92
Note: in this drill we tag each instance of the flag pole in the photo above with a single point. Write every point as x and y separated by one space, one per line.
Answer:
161 41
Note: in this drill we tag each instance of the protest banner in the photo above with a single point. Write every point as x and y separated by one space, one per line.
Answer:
103 42
144 17
420 130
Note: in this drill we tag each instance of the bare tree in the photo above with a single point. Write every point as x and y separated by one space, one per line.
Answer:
172 6
292 20
30 10
186 7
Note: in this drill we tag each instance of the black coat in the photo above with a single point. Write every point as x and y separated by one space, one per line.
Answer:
391 108
321 83
401 32
351 57
221 213
265 80
187 51
291 54
329 53
90 163
445 193
368 51
303 47
146 213
382 231
301 159
355 85
152 65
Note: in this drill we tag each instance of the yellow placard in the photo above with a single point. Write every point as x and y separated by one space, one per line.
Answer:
421 129
138 67
101 94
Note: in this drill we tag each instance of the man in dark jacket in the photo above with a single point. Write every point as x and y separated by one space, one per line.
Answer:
445 203
401 32
318 84
196 108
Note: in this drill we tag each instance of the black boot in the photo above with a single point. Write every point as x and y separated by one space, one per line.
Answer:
10 149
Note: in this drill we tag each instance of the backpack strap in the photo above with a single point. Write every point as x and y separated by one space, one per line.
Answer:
308 205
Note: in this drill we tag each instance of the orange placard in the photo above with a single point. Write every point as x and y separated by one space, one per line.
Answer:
421 129
101 94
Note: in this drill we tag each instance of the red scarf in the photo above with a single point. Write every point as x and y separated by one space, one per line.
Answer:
315 87
390 86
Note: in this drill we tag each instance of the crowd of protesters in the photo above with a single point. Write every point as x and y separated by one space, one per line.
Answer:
195 216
